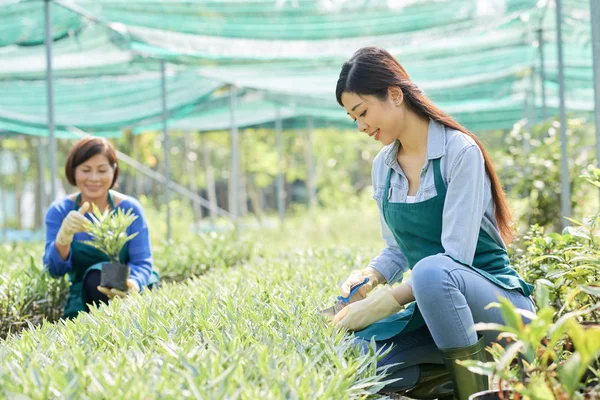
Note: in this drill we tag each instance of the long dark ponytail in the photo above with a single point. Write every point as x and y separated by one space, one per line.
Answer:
372 70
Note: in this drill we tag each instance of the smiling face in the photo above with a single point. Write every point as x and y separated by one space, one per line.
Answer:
380 119
94 177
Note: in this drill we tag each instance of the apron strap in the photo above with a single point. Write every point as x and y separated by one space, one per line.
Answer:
440 187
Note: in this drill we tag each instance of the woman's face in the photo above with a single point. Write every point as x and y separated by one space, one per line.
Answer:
378 119
94 177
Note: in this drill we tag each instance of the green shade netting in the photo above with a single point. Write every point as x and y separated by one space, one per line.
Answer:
23 23
92 50
476 59
99 104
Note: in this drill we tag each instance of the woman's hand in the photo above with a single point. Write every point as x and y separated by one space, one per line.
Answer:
360 314
73 223
132 287
358 276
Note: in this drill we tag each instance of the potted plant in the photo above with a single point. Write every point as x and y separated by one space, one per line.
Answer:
539 362
109 235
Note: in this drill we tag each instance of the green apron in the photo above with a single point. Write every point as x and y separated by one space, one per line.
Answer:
85 258
417 228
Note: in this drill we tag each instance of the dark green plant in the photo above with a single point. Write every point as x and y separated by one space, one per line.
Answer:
545 359
109 231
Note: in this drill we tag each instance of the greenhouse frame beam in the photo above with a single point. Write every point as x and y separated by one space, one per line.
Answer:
50 97
234 207
42 181
280 177
540 33
595 16
565 194
166 143
312 183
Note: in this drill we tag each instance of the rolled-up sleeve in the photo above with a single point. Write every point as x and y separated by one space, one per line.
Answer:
53 262
464 205
140 253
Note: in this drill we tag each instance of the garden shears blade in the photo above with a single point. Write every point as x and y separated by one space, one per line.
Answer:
342 302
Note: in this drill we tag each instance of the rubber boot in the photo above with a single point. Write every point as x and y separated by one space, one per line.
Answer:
466 382
434 382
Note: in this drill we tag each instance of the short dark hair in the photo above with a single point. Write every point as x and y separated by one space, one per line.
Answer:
86 149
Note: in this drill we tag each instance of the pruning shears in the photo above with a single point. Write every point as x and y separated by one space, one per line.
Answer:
342 302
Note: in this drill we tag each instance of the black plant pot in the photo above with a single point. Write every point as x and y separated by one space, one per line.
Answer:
114 276
493 394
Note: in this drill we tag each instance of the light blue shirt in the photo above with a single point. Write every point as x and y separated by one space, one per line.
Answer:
468 206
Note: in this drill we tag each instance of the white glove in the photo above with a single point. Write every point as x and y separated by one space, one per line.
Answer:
74 222
360 314
358 276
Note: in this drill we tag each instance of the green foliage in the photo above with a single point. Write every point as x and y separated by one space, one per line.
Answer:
27 292
568 263
545 359
109 231
28 295
529 169
249 332
178 260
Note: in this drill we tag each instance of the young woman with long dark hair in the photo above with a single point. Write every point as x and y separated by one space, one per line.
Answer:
444 215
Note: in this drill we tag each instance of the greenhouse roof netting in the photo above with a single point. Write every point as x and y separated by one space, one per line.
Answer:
477 59
102 105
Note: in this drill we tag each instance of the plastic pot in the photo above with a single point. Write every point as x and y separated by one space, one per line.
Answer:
114 276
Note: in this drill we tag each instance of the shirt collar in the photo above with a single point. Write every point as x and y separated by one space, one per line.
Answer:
436 144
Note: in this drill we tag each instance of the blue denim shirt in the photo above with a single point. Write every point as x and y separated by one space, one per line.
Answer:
468 206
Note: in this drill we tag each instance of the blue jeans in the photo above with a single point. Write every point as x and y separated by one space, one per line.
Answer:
452 298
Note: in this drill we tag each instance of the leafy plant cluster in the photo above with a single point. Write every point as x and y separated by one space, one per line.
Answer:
249 332
109 231
547 359
29 295
529 167
556 355
568 263
198 253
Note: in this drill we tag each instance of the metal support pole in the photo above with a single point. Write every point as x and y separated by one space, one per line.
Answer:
595 20
310 162
4 208
50 91
166 144
540 33
234 207
42 173
565 195
280 180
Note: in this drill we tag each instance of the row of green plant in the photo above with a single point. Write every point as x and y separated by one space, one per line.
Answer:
28 294
255 331
556 356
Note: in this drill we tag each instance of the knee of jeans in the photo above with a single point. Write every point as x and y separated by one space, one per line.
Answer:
429 273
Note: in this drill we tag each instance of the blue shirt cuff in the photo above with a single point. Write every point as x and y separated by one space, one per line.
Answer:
389 266
57 266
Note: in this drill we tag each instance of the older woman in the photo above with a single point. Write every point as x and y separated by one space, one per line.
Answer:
93 168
